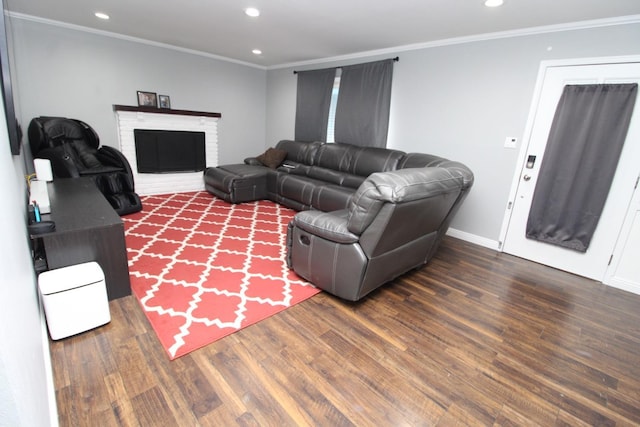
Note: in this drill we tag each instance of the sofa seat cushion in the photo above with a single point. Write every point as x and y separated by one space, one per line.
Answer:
297 187
329 197
102 169
336 177
328 225
237 183
224 177
294 168
312 193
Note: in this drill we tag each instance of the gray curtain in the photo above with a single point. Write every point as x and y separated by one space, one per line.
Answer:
587 135
312 105
362 113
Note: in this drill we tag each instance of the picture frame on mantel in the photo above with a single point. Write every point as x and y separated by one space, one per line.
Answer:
164 101
147 99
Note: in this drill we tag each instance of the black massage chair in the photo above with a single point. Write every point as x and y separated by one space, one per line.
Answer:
72 147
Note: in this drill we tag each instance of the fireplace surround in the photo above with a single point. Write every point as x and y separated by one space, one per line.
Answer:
130 118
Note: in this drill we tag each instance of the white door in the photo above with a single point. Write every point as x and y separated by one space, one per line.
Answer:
624 271
594 262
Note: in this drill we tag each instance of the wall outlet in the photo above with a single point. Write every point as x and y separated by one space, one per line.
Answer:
510 142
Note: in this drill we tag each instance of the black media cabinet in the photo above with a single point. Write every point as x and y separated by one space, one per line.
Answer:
87 229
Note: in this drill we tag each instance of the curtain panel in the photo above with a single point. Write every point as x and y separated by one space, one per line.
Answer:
586 138
364 101
312 104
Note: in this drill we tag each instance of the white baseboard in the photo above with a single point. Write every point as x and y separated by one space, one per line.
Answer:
472 238
614 282
625 285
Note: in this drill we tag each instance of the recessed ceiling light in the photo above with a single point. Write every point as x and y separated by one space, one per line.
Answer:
493 3
257 52
101 15
252 12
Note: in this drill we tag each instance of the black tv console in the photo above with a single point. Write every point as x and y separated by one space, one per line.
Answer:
87 229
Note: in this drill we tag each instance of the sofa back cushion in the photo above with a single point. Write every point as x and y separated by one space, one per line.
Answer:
355 160
368 160
391 209
299 152
419 160
399 224
337 157
399 186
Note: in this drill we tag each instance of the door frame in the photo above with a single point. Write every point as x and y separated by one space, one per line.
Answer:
537 93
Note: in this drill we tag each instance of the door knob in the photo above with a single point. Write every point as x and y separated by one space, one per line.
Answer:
526 177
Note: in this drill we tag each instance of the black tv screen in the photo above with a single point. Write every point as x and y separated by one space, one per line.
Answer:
7 91
167 151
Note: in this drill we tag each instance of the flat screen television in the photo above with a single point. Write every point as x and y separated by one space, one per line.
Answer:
7 92
168 151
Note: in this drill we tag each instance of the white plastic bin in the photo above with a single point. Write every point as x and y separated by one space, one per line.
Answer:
74 298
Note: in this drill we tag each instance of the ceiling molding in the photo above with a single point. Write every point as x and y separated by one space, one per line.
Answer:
119 36
572 26
580 25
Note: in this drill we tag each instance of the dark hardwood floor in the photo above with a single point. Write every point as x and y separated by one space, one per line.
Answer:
475 338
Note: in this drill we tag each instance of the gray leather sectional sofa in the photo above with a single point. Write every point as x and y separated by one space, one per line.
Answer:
367 215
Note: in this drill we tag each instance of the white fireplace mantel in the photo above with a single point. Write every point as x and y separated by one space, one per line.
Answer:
129 118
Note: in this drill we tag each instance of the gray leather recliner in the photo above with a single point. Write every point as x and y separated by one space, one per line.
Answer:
394 223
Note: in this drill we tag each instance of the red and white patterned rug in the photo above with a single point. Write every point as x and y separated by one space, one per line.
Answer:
203 268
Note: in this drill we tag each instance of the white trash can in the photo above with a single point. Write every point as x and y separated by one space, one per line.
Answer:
74 298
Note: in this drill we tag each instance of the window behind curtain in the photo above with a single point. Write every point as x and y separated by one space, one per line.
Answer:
332 108
349 104
312 104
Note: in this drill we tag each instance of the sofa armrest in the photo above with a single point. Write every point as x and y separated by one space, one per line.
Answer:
401 186
331 226
253 161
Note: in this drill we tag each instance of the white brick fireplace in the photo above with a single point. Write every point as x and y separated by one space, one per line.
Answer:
130 118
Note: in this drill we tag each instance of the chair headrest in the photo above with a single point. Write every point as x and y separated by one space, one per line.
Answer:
49 132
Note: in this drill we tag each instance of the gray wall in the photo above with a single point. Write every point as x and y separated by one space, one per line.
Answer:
66 72
26 384
60 71
461 101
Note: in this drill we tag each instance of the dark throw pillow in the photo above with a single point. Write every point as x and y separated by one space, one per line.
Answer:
272 157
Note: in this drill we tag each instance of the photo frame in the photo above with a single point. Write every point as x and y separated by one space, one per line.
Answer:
164 101
147 99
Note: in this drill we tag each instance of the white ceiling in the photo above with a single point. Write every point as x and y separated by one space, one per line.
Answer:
299 31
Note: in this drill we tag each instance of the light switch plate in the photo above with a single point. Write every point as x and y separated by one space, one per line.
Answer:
510 142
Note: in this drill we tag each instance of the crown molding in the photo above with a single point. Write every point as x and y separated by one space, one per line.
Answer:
572 26
81 28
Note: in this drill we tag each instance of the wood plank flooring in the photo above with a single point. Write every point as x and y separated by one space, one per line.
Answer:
476 338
